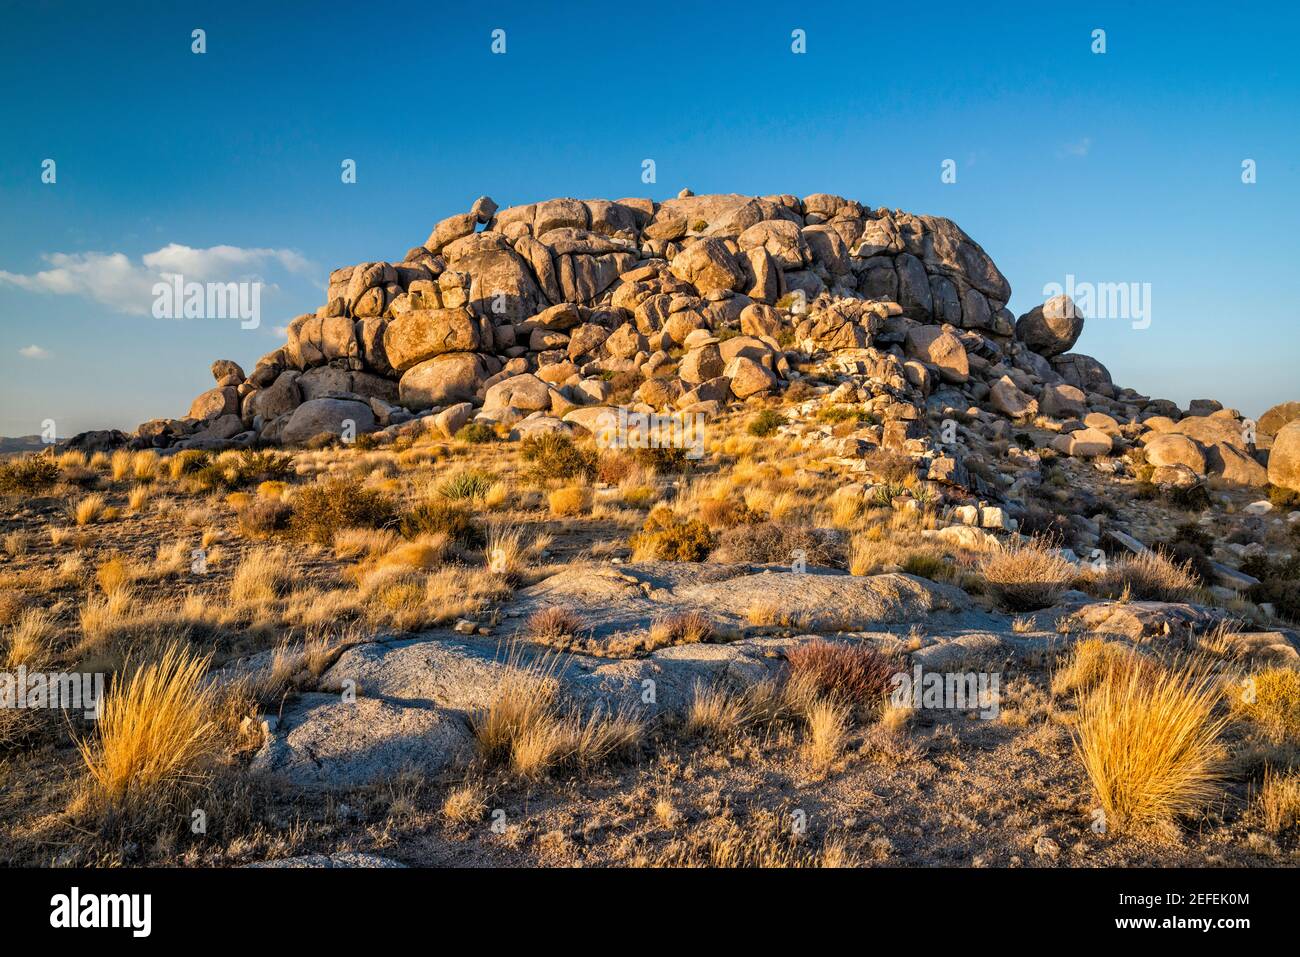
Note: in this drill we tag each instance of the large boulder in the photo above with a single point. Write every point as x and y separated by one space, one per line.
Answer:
332 416
1063 401
1010 401
748 377
525 392
1051 328
215 402
941 349
451 377
709 266
1272 421
1168 449
1284 459
424 333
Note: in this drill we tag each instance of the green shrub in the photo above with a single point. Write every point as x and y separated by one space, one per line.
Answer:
466 485
554 455
250 467
449 518
672 539
321 510
663 460
28 475
476 433
765 423
1283 497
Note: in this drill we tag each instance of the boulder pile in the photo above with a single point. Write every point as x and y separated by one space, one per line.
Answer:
544 316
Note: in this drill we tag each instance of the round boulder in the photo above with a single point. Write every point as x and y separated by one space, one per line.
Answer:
1052 328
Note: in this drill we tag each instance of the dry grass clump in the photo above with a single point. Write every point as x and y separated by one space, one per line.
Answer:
1150 576
263 517
505 551
138 498
1091 660
91 509
464 804
115 574
1278 802
15 544
717 712
1150 744
687 628
155 732
1025 576
778 543
29 639
1270 699
264 575
569 500
828 729
524 728
856 675
554 626
364 542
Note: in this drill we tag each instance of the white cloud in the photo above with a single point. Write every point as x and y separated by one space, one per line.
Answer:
114 280
34 352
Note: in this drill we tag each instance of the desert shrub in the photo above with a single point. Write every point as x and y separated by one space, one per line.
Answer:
247 467
1270 699
853 674
264 517
1279 583
1150 744
926 565
685 628
832 414
890 467
155 732
569 500
775 542
1026 576
664 460
554 626
765 423
725 513
1152 575
475 433
553 455
668 538
322 509
799 391
612 467
443 517
28 475
622 386
466 485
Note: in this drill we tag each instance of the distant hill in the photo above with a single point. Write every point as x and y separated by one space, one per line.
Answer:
21 443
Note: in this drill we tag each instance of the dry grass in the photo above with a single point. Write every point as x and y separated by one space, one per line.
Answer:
1150 744
1091 660
686 628
264 575
1026 576
715 711
854 675
464 804
1150 576
569 500
1278 802
29 638
524 728
554 626
828 729
1270 700
155 732
91 509
15 544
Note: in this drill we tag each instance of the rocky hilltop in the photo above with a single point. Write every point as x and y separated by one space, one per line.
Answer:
544 316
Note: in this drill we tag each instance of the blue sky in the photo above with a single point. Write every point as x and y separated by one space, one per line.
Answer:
1115 167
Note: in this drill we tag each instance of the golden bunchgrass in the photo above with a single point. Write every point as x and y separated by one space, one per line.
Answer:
1028 575
155 731
1150 743
828 729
